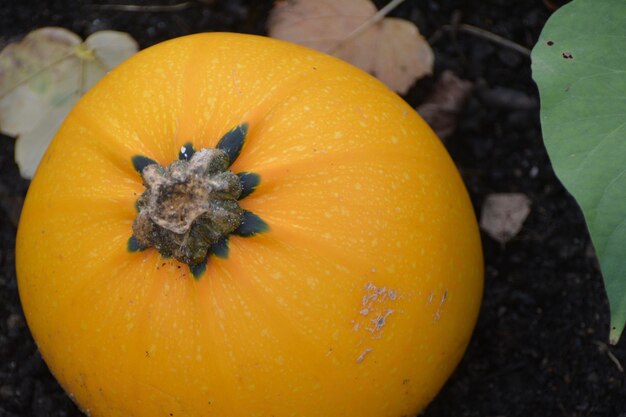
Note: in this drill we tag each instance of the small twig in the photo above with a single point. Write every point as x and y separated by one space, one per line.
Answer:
604 348
139 8
482 33
366 24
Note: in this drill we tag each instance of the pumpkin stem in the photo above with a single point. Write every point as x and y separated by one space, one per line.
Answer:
188 206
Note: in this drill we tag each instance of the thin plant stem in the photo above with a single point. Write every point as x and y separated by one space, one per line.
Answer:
481 33
366 24
139 8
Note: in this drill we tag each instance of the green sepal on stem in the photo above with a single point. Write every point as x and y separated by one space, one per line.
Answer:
190 208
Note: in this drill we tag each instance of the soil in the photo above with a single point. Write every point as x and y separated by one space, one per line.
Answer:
540 344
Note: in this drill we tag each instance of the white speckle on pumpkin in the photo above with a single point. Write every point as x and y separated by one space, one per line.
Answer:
312 282
236 81
444 297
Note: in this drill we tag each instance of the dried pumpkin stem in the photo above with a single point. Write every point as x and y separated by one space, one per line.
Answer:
188 206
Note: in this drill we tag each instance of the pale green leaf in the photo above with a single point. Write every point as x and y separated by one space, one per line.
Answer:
579 64
43 76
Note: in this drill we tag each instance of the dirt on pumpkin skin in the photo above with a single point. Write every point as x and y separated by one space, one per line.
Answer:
539 347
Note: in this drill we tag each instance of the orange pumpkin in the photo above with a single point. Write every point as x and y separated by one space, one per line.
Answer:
327 262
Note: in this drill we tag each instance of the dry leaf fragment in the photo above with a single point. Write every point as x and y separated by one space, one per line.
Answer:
43 76
390 49
441 109
504 214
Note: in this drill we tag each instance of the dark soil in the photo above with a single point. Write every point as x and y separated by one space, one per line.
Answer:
539 347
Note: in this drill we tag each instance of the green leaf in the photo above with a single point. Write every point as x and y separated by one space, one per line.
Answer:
579 64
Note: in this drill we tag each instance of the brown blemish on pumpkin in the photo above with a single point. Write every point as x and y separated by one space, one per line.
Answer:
373 314
361 357
379 321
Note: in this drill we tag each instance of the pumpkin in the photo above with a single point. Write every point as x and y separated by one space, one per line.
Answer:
229 225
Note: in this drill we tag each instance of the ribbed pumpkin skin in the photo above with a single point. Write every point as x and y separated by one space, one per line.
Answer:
358 302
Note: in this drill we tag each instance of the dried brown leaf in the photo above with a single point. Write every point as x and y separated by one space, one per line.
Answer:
442 108
390 49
